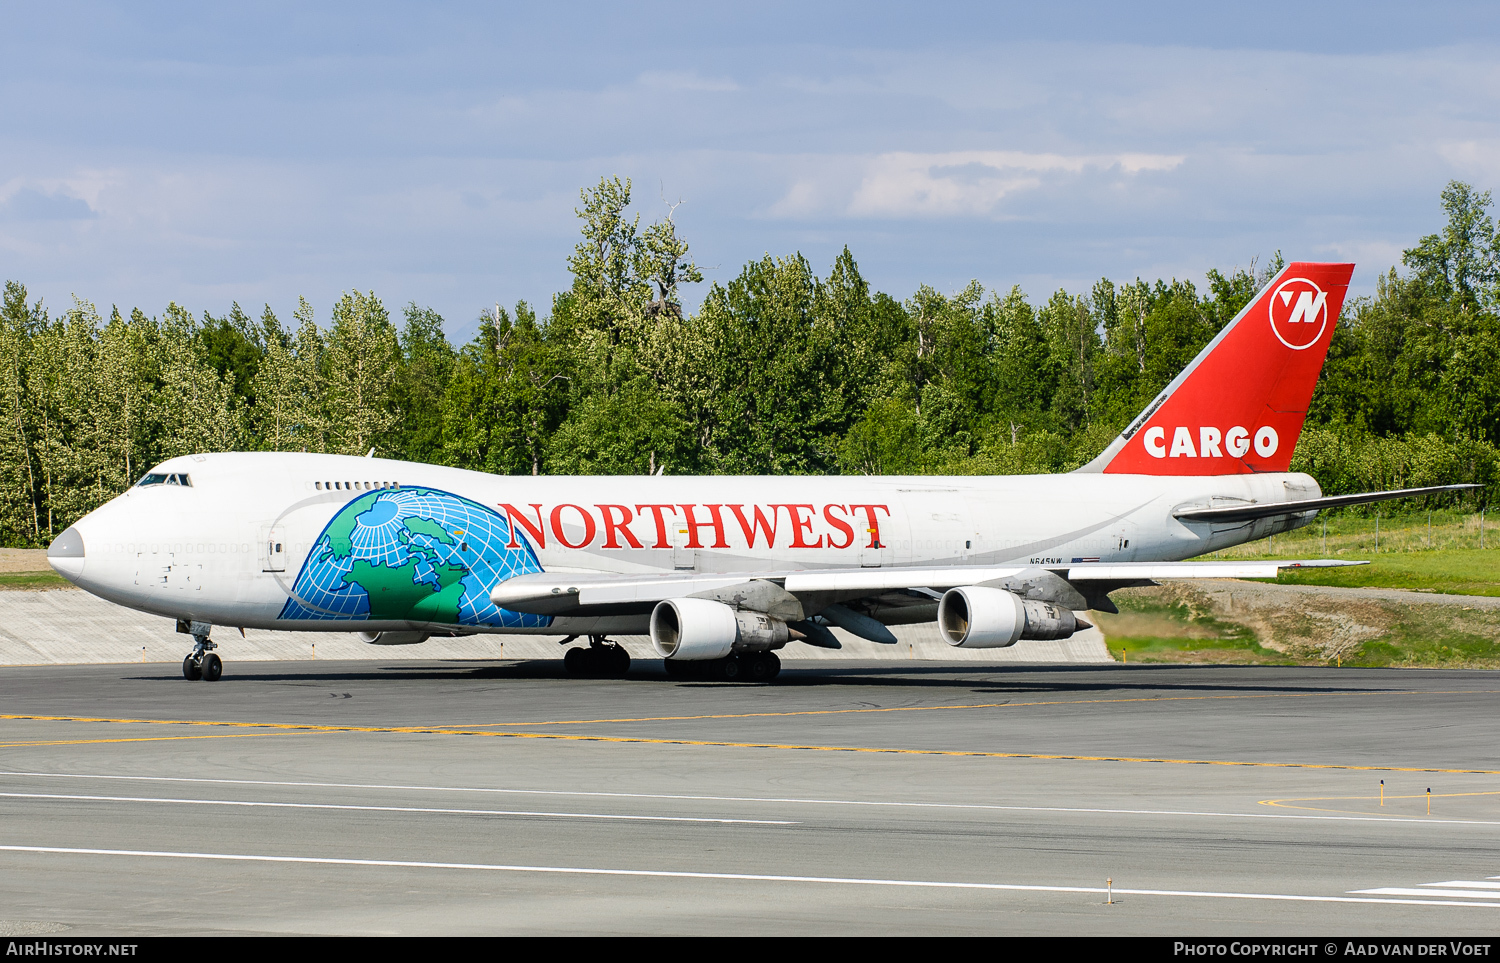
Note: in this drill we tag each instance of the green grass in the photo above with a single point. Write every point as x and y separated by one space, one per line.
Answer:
1349 535
1451 572
1150 649
1149 629
1193 623
1415 642
14 581
1405 552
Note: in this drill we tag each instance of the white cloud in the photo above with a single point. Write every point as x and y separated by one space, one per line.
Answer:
30 204
1474 158
971 183
804 197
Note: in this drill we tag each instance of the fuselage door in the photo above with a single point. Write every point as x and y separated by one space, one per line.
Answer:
684 559
875 548
272 551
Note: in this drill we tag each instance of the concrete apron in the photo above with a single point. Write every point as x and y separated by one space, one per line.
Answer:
65 627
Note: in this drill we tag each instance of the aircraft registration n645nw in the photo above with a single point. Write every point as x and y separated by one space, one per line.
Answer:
724 571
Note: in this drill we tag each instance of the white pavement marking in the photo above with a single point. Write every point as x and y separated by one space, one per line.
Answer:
1453 889
742 877
1412 891
395 809
792 800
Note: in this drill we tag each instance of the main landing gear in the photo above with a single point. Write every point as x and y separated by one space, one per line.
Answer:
601 658
744 667
201 663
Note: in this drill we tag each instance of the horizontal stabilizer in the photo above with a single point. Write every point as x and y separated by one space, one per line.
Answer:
1245 513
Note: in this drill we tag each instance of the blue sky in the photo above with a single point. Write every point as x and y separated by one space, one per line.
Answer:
434 154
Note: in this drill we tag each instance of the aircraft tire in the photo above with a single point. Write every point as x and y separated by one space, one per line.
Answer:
619 661
191 670
773 665
213 668
576 661
757 667
730 669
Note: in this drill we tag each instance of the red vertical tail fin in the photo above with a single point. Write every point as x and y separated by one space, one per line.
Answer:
1238 407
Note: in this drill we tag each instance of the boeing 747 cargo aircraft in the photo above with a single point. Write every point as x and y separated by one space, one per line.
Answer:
723 572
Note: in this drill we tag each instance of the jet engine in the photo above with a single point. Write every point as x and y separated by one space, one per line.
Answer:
976 617
392 638
696 629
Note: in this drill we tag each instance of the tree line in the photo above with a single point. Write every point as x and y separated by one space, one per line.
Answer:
780 370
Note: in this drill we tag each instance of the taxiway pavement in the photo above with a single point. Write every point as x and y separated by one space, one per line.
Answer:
505 797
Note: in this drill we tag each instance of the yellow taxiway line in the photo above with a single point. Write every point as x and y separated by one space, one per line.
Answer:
1286 803
468 728
710 743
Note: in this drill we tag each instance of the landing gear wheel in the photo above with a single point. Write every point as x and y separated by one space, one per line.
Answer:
601 658
761 666
676 669
730 669
201 663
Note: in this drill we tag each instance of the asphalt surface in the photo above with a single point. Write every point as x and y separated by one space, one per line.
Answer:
480 797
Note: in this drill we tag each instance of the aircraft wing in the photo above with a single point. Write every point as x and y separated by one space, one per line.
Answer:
555 593
1250 512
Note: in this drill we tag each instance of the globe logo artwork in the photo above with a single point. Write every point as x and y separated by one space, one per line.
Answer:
412 555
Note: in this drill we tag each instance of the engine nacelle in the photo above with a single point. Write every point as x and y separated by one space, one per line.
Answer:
976 617
696 629
393 638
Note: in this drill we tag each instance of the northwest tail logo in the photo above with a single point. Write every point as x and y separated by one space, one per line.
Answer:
1299 313
1239 406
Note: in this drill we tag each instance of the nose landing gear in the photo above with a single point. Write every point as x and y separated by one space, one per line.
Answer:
201 663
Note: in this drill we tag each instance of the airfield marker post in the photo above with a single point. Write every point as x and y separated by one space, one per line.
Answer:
1110 886
1382 792
1429 800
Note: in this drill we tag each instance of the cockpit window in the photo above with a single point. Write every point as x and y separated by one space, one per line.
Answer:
156 478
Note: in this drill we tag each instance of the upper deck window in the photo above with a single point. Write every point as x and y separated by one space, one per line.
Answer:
347 486
155 478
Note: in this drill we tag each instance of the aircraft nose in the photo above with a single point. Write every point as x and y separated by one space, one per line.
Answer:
65 554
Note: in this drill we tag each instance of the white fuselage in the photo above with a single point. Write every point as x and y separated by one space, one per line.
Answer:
228 549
